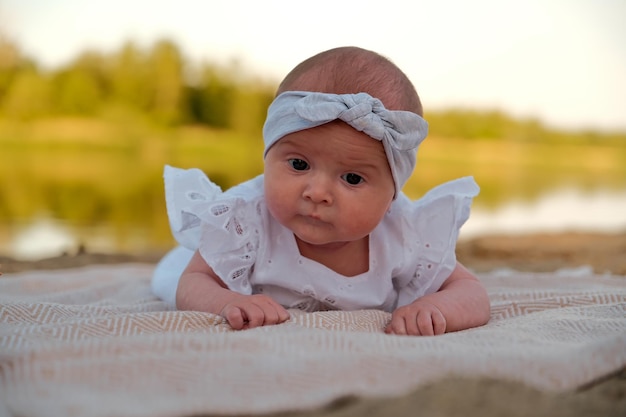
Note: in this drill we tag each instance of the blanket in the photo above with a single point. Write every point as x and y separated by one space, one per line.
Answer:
95 341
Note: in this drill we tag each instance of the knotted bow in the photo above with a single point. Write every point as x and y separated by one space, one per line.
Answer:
401 132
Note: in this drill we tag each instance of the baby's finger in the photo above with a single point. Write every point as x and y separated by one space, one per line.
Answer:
255 316
439 322
412 328
270 314
283 314
271 310
397 325
235 317
425 324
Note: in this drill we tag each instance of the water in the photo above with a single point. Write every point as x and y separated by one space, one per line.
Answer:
563 210
566 209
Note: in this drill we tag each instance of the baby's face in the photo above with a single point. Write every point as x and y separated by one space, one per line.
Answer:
328 184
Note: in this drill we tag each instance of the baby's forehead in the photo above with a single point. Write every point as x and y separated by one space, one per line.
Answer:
335 136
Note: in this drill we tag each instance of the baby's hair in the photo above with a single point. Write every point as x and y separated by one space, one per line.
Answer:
351 70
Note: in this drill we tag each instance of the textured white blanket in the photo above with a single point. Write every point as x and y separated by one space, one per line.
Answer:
94 341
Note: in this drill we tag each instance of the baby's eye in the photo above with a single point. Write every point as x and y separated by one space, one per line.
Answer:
298 164
352 178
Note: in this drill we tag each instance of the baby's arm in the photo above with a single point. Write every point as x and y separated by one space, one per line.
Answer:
200 289
460 303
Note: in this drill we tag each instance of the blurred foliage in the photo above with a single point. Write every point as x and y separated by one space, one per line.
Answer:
86 143
159 84
156 83
496 125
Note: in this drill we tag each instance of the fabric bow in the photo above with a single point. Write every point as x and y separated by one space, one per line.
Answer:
401 132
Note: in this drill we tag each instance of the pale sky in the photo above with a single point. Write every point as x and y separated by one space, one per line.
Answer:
562 61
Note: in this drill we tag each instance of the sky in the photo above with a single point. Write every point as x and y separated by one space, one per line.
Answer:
560 61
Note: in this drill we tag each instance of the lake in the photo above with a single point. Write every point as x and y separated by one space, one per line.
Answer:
561 210
99 184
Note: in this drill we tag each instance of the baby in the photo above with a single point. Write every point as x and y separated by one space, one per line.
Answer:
327 225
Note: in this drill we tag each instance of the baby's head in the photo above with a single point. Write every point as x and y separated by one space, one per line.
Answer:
357 118
351 70
348 72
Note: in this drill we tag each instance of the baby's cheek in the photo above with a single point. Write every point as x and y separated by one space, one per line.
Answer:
280 207
361 222
276 210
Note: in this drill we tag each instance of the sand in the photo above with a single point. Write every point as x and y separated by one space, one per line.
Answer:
605 253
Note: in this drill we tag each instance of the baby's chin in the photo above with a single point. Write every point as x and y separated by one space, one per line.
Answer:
319 243
328 245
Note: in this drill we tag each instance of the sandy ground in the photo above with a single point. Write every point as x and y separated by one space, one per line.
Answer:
605 253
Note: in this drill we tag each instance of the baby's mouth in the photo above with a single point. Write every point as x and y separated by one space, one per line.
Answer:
314 219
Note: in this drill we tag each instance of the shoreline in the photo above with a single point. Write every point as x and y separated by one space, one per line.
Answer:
537 252
546 252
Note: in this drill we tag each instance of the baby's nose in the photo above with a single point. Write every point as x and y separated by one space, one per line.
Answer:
318 190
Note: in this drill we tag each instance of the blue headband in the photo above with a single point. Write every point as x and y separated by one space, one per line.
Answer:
401 132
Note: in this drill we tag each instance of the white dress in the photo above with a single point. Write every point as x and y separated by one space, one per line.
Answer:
412 251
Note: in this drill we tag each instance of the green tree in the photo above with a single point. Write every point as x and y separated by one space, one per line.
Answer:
10 62
211 100
28 96
80 88
166 82
249 108
128 78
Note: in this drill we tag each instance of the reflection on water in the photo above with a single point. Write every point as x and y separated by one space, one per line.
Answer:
562 210
43 238
65 184
566 209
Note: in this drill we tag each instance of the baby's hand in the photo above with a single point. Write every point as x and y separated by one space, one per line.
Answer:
420 318
249 311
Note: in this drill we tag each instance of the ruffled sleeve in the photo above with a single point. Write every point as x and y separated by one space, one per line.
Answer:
432 226
223 226
187 191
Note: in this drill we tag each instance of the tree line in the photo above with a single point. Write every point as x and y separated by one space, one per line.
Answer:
156 82
159 84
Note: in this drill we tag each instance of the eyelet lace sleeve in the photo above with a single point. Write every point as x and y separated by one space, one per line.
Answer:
187 192
223 226
432 232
